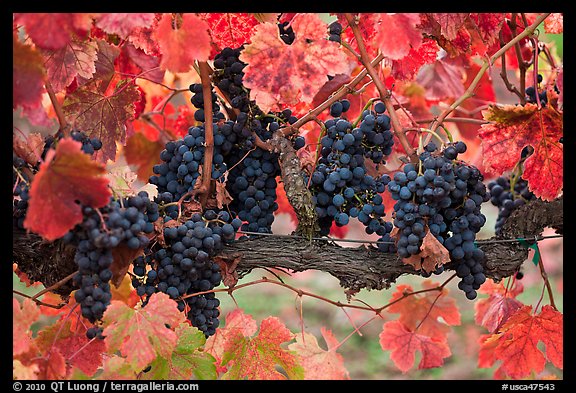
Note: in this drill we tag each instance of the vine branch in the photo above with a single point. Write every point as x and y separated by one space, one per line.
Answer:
384 93
64 126
204 189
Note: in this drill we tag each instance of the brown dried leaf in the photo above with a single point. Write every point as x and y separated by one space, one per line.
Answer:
123 257
223 197
228 268
433 252
30 149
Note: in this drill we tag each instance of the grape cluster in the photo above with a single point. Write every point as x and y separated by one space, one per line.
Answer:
531 92
20 186
340 184
228 74
184 265
286 33
508 196
335 31
89 145
442 195
126 222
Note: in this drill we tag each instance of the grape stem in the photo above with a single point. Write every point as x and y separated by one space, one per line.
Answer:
204 190
384 92
64 126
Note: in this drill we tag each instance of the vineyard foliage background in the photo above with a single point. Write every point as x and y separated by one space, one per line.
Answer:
125 79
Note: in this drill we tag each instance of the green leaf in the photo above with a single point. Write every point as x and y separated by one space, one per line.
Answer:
188 359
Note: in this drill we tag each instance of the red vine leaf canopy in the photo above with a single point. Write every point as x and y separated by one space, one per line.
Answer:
188 359
404 343
141 335
182 40
257 357
28 75
317 362
123 24
66 176
516 344
397 34
73 345
515 127
368 26
280 74
408 66
135 61
487 25
23 316
54 31
437 25
102 116
441 80
229 29
105 67
425 310
77 58
554 24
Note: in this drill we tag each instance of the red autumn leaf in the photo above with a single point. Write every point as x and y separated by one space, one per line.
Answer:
229 29
144 38
237 323
515 127
486 354
77 58
280 74
23 316
488 25
181 41
494 311
134 61
492 288
28 75
319 363
124 24
425 310
52 367
73 345
54 31
330 87
517 343
141 335
441 80
143 154
257 357
436 25
105 68
66 176
397 34
102 116
404 343
408 66
554 24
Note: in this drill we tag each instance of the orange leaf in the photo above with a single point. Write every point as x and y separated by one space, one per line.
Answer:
516 345
143 154
425 310
67 175
432 254
317 362
279 74
182 42
404 343
23 316
515 127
